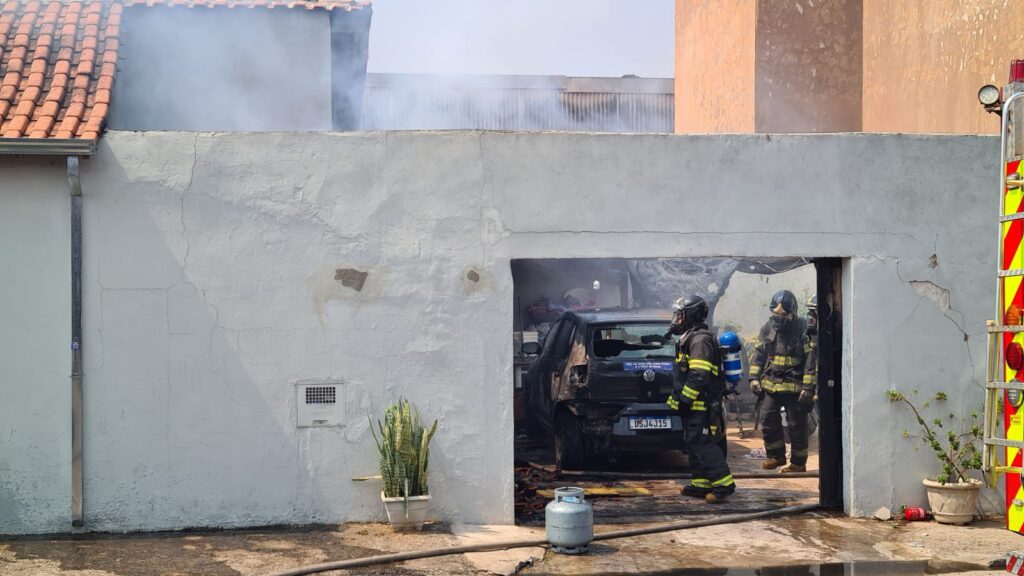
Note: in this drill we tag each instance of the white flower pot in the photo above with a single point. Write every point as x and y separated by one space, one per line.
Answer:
404 517
953 502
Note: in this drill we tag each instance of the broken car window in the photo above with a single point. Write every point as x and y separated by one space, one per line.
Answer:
626 341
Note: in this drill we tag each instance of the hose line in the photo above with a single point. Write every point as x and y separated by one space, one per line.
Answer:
488 547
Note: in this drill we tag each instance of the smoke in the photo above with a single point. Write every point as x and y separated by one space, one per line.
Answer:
528 37
520 103
238 69
465 64
656 283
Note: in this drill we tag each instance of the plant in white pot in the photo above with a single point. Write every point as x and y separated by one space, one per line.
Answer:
404 453
953 494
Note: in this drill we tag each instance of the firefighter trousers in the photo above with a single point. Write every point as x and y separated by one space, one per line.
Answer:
796 419
707 462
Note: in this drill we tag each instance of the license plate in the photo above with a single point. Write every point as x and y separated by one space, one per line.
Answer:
650 423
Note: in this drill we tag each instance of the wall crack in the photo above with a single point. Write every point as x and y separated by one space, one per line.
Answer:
942 297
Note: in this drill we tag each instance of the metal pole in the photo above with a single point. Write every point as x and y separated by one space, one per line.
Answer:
75 185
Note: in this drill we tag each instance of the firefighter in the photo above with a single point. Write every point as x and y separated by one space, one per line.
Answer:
779 368
697 394
812 320
811 363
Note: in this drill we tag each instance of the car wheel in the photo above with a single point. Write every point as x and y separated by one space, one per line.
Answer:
568 442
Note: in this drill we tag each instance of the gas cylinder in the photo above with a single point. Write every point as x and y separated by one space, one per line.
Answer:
569 521
730 346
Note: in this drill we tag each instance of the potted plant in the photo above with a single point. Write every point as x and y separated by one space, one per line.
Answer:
403 447
953 494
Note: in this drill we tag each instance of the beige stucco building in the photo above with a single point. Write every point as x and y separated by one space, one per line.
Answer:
841 65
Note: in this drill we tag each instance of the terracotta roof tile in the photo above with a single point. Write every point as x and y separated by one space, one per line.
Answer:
58 60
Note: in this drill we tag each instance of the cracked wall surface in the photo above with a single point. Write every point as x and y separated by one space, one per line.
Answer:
212 286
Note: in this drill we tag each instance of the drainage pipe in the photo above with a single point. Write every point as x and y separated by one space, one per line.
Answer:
672 526
75 188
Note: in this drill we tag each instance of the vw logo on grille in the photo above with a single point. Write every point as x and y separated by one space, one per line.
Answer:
649 375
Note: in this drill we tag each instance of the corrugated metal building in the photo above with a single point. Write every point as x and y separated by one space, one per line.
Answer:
518 103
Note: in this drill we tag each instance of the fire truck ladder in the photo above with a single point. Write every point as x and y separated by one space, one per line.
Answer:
996 384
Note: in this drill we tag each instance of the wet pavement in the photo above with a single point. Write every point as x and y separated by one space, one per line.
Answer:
795 542
837 569
227 553
665 504
817 544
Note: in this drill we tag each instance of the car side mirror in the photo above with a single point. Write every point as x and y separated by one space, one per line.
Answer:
530 348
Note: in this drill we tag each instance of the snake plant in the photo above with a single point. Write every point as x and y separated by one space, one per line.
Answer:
403 450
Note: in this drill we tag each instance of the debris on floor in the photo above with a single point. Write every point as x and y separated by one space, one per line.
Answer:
598 491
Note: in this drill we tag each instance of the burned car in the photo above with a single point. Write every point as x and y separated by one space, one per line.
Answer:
599 385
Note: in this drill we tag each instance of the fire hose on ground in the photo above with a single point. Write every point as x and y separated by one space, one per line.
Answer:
506 545
669 475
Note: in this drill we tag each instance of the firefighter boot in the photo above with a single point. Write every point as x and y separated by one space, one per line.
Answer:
773 463
695 491
794 468
720 494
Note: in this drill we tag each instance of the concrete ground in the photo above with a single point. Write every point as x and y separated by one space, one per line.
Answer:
807 540
788 545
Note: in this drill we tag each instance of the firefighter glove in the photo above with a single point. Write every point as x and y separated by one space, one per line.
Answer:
673 401
806 396
755 387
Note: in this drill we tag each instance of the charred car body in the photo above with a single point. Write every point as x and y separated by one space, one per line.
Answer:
599 385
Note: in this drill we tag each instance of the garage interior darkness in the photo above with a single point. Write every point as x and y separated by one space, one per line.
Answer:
641 483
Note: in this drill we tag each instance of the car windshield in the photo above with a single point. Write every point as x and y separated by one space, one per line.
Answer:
627 341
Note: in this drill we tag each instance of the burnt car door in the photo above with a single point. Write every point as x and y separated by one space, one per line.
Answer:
543 375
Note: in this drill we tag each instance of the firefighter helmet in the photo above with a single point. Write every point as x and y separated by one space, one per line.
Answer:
783 308
687 312
812 303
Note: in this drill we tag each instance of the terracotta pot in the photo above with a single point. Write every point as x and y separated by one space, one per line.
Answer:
953 502
402 517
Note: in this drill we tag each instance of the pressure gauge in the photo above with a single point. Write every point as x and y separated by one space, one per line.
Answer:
988 95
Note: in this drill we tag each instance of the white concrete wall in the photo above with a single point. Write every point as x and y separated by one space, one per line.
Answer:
35 339
210 265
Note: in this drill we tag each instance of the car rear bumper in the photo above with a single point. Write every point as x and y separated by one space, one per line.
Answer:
613 433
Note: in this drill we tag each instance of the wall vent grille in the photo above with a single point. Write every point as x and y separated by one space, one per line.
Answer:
321 394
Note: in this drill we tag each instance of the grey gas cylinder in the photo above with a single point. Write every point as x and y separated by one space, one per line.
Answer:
569 521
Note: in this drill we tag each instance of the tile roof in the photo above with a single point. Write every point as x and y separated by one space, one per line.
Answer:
58 59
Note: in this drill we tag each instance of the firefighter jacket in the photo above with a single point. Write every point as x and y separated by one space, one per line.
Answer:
698 381
784 360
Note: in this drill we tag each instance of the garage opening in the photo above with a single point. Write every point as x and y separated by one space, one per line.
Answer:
593 369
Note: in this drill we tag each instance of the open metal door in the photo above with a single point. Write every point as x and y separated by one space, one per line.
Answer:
830 372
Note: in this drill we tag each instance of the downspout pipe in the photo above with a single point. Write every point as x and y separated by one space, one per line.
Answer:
75 189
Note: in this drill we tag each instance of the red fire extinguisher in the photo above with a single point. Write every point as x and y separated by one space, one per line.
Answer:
915 514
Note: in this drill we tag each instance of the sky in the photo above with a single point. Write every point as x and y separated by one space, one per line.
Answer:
557 37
